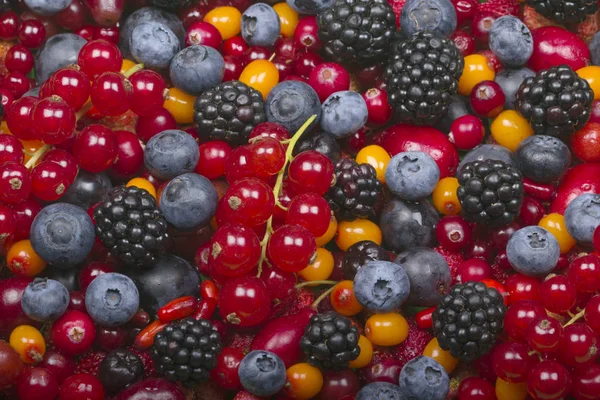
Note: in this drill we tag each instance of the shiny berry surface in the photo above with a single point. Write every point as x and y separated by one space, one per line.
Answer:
99 56
291 248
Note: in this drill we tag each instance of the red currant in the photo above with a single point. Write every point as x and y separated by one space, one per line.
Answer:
584 272
557 294
234 46
592 314
519 316
15 182
234 65
578 346
279 283
256 53
49 181
53 119
305 63
467 132
310 211
549 380
512 362
95 148
111 94
99 56
148 93
37 384
586 383
453 232
8 225
235 250
65 160
474 269
90 271
110 34
72 85
311 171
9 25
17 83
521 287
11 149
19 58
249 202
225 374
130 154
59 365
81 386
244 301
291 248
475 388
213 159
25 212
270 129
147 127
532 211
465 10
32 33
544 334
86 32
267 157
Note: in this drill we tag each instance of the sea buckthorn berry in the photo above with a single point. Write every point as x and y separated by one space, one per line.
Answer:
142 184
592 75
126 65
366 353
99 56
375 156
351 232
343 300
433 350
444 196
303 381
330 234
509 129
29 343
388 329
476 70
261 75
321 268
21 259
288 18
555 224
180 105
228 20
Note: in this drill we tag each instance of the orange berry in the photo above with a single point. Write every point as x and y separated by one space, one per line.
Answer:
21 259
476 70
592 75
366 353
343 299
303 381
288 18
180 105
331 231
261 75
142 184
127 65
350 232
509 129
433 350
227 20
444 196
30 147
510 391
321 268
555 224
29 343
386 329
375 156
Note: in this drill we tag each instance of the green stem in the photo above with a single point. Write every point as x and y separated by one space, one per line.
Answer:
36 156
133 70
575 318
321 298
314 283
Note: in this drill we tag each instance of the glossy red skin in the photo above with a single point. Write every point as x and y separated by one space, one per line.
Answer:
155 389
11 314
339 385
585 143
595 114
130 154
404 137
282 336
583 178
62 367
554 46
106 12
385 370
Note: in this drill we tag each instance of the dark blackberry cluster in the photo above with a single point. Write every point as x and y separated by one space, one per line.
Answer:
356 190
555 102
357 32
565 11
131 226
186 351
171 4
361 253
468 320
330 341
490 191
228 112
421 76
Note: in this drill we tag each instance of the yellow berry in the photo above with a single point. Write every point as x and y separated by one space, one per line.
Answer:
366 353
261 75
476 70
330 234
555 224
143 184
180 105
592 75
350 232
509 129
29 343
288 18
388 329
321 268
126 65
433 350
375 156
510 391
227 20
444 196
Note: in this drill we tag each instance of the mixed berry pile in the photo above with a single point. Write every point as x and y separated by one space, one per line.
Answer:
295 200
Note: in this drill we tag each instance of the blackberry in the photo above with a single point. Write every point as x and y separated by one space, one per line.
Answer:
330 341
556 101
356 190
361 253
490 191
565 11
171 4
358 32
421 76
131 226
228 112
186 351
468 320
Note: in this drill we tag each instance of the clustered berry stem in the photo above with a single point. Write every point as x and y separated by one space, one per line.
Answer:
39 153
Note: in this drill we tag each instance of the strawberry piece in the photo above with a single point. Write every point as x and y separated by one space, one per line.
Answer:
90 362
397 7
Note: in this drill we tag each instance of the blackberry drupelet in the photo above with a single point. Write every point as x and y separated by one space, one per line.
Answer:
490 192
358 32
186 351
468 320
356 190
421 76
330 341
359 254
228 112
556 101
131 226
565 11
171 4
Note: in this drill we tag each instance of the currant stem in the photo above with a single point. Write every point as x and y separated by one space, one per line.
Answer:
314 283
39 153
575 318
133 70
321 298
84 110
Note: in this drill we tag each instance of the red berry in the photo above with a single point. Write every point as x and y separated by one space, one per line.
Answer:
249 202
465 11
306 33
111 94
592 314
328 78
305 63
487 99
60 366
311 171
234 46
378 106
532 211
453 232
238 164
73 333
467 132
86 32
203 33
109 339
65 160
147 127
110 34
279 283
286 48
549 380
234 65
81 387
77 301
519 316
90 271
291 248
11 149
225 374
310 211
269 129
24 212
32 33
17 83
474 269
19 58
99 56
256 53
130 154
578 346
49 181
213 159
9 25
464 42
244 301
475 388
586 383
37 384
557 294
148 91
481 25
584 272
511 361
95 148
267 157
15 182
521 287
72 85
544 334
235 250
53 119
8 224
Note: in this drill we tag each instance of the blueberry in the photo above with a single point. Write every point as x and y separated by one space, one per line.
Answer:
112 299
149 14
58 52
511 41
510 80
47 7
594 47
262 373
171 153
412 175
407 224
533 251
343 113
87 189
381 286
260 25
380 391
62 234
33 92
321 142
45 300
428 15
487 152
424 378
196 69
189 202
291 103
428 273
310 7
543 158
582 217
154 45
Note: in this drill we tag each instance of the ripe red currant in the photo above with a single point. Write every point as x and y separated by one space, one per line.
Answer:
310 211
111 94
557 294
53 119
249 202
235 250
519 316
244 301
213 159
267 157
95 148
311 171
148 92
72 85
291 248
512 362
15 182
49 181
99 56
